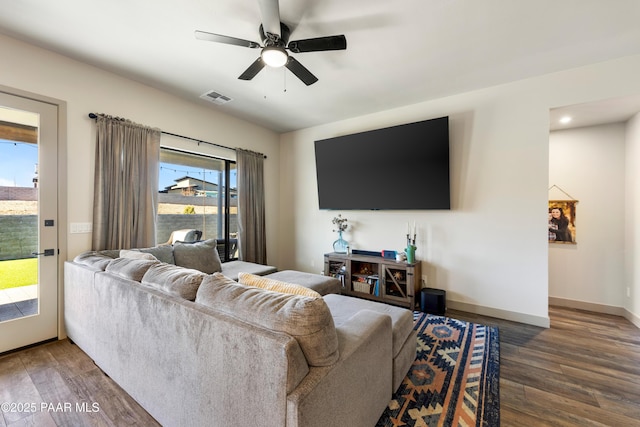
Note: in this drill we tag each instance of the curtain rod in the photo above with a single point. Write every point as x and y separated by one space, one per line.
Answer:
199 141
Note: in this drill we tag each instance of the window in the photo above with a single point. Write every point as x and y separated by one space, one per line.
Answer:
194 195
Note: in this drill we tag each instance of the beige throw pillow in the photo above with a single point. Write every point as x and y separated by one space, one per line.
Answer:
276 285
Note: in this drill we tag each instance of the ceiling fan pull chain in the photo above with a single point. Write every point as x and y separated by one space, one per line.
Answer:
284 76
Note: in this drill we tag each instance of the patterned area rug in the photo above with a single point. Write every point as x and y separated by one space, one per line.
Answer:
454 380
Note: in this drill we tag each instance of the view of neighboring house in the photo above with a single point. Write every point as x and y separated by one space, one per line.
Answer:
189 186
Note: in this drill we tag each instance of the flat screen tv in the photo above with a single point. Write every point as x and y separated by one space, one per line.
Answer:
399 167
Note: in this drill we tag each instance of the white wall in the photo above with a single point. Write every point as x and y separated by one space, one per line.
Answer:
88 89
589 164
632 303
490 252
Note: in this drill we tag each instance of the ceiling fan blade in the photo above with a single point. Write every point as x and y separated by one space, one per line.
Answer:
202 35
318 44
253 69
300 71
270 12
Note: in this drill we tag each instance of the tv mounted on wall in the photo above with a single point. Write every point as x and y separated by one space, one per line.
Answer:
399 167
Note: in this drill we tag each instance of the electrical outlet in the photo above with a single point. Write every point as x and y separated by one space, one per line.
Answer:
628 292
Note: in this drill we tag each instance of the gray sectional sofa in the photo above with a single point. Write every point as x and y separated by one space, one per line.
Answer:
196 348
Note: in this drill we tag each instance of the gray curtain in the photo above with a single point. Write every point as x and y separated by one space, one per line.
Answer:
252 246
126 184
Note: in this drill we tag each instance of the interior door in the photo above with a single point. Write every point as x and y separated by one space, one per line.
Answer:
29 230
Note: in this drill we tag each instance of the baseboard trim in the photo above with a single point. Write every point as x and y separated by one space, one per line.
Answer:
632 318
587 306
596 308
543 322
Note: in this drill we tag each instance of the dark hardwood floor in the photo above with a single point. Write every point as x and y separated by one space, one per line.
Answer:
57 384
583 371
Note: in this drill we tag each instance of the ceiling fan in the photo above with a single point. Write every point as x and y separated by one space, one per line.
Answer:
275 38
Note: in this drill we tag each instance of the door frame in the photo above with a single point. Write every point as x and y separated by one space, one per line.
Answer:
62 190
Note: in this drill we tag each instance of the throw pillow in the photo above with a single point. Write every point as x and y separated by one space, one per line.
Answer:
276 285
163 253
201 256
132 269
126 253
174 280
306 319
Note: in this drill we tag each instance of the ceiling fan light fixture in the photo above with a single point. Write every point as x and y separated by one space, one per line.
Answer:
274 56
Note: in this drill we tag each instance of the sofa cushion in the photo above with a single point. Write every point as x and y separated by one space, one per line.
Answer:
201 256
94 259
126 253
276 285
129 268
231 269
306 319
174 280
344 307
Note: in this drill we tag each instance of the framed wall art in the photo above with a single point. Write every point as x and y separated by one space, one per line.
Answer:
562 221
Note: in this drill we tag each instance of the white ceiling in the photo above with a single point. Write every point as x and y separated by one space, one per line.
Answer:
399 52
595 113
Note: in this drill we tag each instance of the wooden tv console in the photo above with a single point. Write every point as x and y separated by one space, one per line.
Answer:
375 278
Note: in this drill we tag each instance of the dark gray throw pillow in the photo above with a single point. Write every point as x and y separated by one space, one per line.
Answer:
162 252
201 256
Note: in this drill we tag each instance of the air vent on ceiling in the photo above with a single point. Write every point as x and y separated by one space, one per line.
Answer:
215 97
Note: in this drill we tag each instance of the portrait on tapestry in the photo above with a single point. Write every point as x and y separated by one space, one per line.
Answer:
562 221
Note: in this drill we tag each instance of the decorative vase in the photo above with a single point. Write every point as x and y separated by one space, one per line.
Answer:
411 254
340 246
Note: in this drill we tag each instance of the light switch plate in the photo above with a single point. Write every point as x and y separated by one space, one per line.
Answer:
81 227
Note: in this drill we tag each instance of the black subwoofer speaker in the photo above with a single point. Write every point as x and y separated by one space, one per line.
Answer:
433 301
